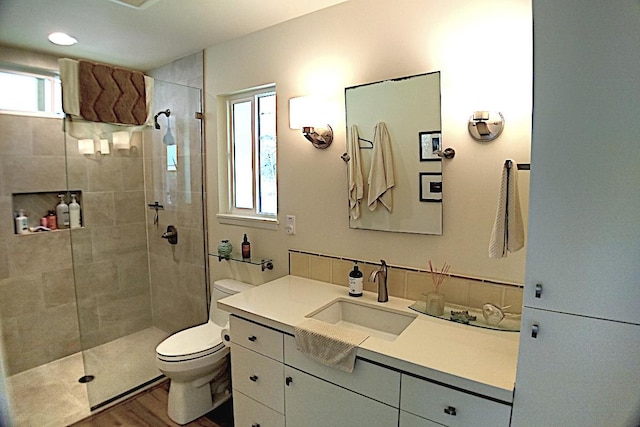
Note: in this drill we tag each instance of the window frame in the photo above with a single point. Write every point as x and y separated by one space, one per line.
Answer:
230 213
54 92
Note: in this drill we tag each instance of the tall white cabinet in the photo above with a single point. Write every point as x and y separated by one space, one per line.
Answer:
579 356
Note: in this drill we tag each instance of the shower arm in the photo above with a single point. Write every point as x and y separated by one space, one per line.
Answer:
166 112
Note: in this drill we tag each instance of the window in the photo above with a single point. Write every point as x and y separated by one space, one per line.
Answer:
252 154
30 93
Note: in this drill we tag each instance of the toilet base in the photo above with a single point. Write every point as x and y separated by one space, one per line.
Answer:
187 403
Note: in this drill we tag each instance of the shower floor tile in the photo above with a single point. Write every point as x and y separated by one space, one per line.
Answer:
51 396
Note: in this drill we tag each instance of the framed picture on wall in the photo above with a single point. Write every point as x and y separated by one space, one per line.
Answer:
431 187
429 143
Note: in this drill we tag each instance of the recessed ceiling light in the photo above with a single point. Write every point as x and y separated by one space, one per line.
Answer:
62 39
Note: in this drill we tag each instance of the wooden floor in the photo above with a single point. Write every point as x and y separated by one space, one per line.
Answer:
149 409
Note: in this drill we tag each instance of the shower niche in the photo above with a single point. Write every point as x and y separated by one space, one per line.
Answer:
36 206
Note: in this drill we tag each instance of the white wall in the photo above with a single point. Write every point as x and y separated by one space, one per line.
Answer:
483 50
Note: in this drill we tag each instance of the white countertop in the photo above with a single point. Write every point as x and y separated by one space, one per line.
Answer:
479 360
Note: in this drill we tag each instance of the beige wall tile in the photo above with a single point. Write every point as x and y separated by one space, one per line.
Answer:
418 283
513 296
98 209
39 252
320 268
482 293
456 290
299 264
16 135
396 282
340 270
48 137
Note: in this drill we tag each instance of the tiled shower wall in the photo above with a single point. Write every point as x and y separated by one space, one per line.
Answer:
177 273
407 282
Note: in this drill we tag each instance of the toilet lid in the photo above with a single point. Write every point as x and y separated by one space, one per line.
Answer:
191 341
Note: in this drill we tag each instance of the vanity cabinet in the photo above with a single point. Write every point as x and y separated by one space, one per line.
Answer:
448 406
257 374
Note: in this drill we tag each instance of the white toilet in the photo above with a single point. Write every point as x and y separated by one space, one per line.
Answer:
195 357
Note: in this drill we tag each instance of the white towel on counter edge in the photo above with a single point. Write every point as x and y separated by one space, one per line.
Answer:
329 344
507 234
381 178
356 181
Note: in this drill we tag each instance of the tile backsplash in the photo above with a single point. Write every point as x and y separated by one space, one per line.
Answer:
409 283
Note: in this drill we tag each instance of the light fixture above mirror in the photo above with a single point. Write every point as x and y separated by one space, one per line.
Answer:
309 113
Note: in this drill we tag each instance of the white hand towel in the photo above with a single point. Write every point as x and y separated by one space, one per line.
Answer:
329 344
381 179
508 229
356 182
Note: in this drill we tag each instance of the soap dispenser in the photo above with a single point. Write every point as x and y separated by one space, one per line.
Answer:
246 248
355 281
62 213
74 212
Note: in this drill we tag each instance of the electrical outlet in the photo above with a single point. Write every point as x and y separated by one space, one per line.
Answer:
290 226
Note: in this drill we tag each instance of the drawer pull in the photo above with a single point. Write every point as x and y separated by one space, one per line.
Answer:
252 338
534 330
288 380
538 290
253 378
450 410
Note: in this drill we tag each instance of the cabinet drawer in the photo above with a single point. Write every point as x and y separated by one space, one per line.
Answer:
249 413
369 379
257 376
410 420
451 407
255 337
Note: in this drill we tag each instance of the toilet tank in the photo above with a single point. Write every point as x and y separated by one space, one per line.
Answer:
222 289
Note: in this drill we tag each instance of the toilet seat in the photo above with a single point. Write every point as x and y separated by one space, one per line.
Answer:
192 343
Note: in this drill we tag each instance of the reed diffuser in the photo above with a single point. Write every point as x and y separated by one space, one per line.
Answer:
435 299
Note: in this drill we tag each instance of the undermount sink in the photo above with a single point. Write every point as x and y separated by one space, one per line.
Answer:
381 322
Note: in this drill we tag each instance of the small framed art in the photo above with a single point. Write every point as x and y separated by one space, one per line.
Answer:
430 143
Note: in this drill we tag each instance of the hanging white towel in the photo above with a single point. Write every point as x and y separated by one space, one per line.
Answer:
381 179
356 181
329 344
508 229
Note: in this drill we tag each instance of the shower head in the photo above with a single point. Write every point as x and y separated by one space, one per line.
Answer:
166 112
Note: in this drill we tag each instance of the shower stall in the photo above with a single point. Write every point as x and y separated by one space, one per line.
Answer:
111 290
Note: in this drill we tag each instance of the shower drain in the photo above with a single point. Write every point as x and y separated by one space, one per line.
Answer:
86 379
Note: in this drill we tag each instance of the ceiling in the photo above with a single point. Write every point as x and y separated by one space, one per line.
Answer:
145 37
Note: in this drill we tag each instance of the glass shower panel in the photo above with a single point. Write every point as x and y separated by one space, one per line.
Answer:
133 288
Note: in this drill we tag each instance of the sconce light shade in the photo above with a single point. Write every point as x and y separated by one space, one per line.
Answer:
310 114
85 146
104 146
121 140
485 125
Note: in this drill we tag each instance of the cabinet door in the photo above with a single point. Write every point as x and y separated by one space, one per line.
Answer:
257 376
578 371
312 402
250 413
584 230
409 420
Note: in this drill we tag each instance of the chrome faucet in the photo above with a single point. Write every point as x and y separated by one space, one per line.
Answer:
383 294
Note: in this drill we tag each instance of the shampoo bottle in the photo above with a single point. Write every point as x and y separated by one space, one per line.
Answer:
52 220
355 281
74 212
62 213
246 248
21 223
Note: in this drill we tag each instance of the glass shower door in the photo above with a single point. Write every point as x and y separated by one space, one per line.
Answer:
133 288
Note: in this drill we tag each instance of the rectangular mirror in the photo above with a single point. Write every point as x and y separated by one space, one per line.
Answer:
409 107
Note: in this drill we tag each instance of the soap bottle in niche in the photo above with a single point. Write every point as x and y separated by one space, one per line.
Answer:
21 223
74 212
62 212
355 281
246 248
52 220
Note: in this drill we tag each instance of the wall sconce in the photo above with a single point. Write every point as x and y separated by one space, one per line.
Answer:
85 146
486 125
121 140
305 113
104 146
